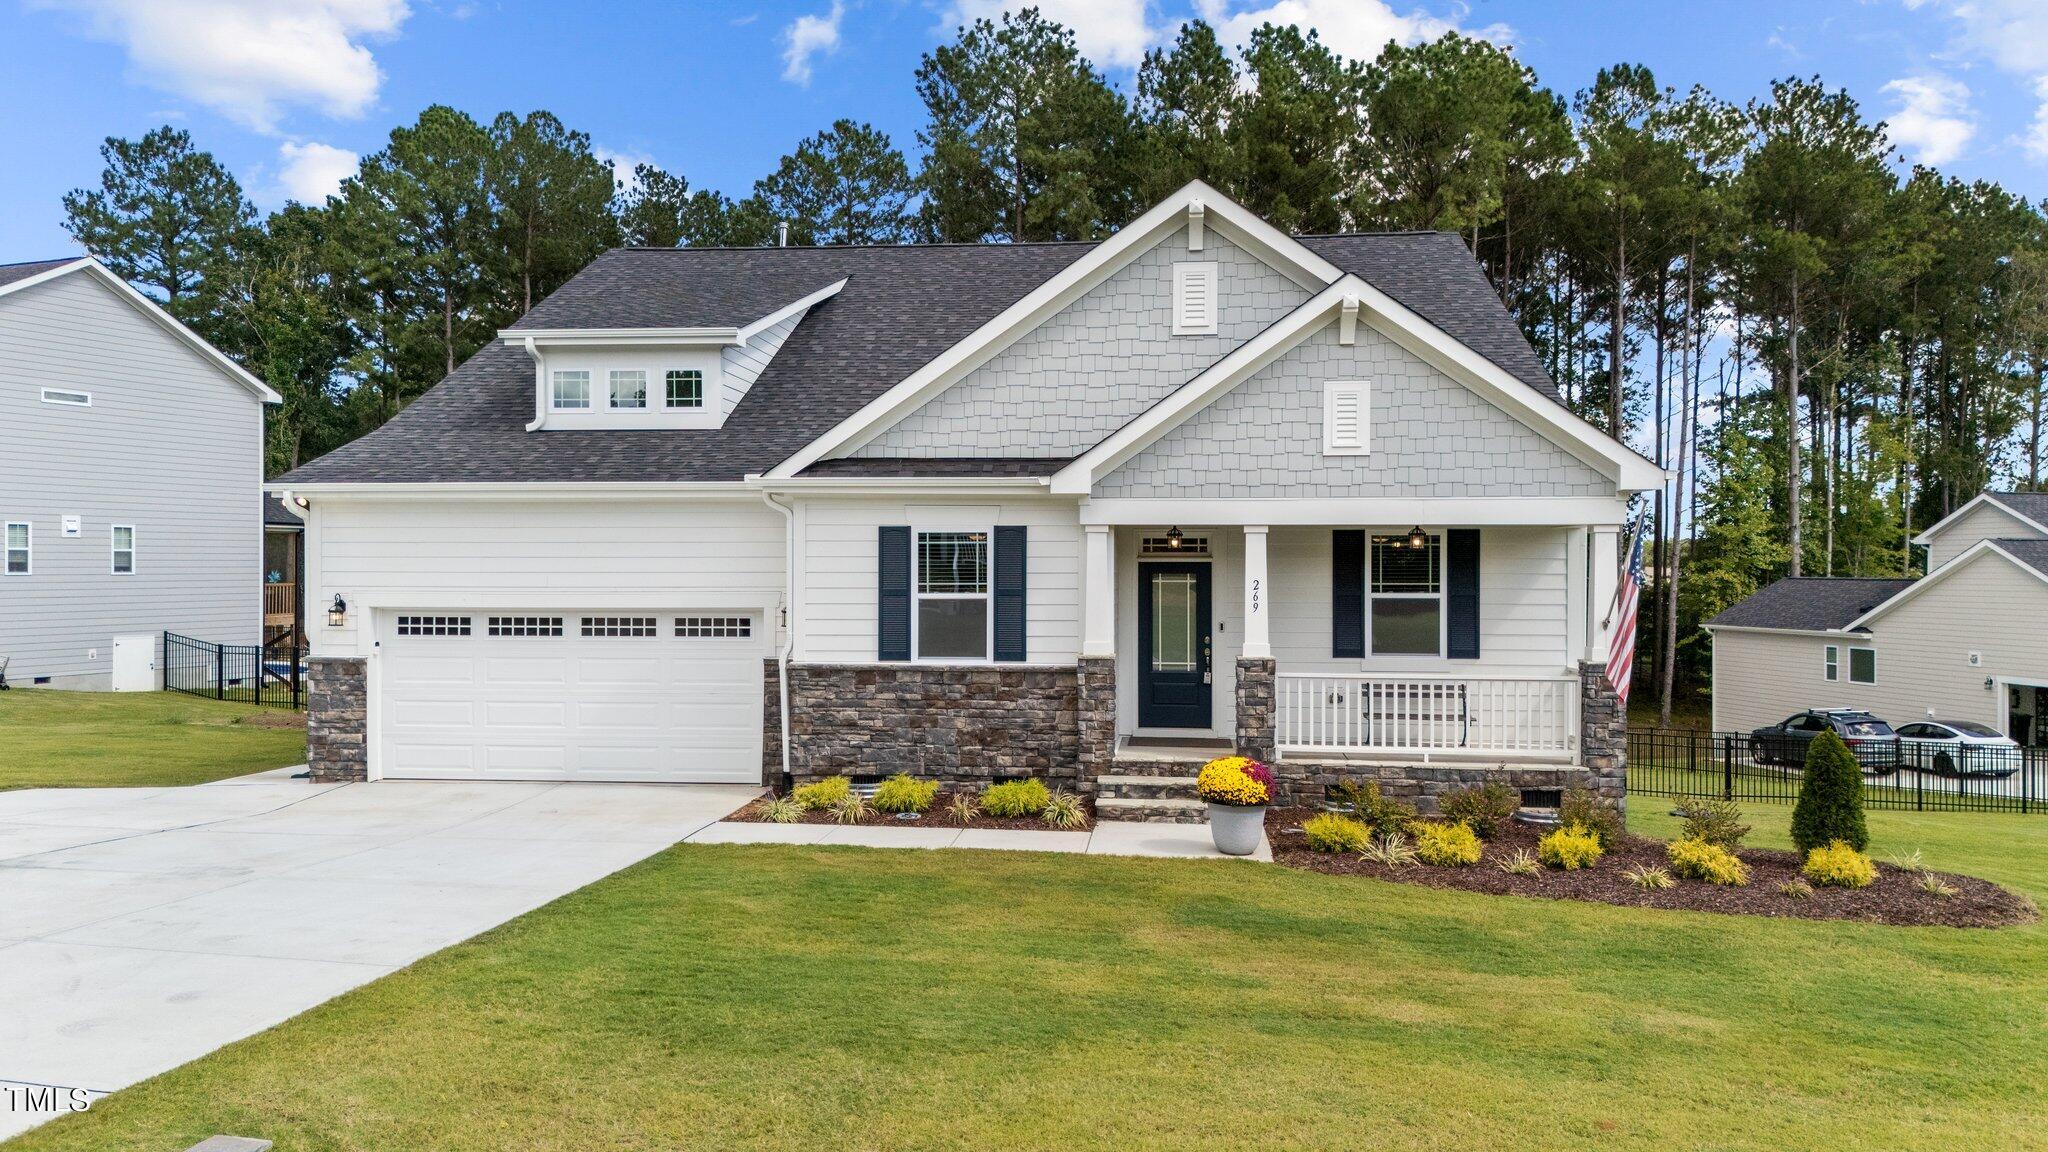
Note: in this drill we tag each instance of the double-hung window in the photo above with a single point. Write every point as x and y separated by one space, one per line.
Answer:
1406 594
629 388
685 388
1832 670
20 537
572 389
952 610
124 550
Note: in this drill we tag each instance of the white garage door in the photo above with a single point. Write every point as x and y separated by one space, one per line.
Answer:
672 696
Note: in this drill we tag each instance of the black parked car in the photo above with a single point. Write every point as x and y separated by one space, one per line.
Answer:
1875 746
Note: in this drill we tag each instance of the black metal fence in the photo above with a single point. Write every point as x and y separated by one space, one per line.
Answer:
270 673
1904 774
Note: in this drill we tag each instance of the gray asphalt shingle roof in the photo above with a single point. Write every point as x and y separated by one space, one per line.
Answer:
278 514
1809 603
901 307
2031 552
9 273
2032 505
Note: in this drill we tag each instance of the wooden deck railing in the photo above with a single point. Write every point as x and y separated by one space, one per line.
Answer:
280 602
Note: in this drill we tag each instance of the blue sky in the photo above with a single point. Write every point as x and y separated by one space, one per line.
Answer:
288 92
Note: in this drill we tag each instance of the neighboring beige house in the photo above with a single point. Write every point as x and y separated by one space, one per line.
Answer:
1968 641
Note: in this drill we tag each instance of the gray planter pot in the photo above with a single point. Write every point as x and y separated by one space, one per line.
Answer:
1237 830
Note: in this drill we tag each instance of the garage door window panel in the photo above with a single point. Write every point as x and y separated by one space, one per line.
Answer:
542 626
433 625
620 627
714 627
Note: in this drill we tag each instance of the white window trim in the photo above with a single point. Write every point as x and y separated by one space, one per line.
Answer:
29 550
1852 665
611 389
1831 663
1332 389
114 550
1184 273
702 384
52 396
555 390
1441 596
988 640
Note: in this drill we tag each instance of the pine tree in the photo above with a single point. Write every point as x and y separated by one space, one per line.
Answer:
164 214
845 185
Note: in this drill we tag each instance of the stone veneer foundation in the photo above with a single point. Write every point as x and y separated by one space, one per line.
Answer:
1096 677
337 714
966 725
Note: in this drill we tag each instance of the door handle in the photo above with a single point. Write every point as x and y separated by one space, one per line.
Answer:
1208 665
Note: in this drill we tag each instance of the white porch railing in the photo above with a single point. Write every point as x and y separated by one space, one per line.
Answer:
1451 715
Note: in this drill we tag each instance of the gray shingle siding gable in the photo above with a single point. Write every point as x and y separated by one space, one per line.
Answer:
1063 386
1430 437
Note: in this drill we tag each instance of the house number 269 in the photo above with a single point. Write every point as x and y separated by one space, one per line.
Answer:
1255 594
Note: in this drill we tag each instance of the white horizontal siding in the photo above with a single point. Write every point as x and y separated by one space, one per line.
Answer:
743 365
1984 522
169 445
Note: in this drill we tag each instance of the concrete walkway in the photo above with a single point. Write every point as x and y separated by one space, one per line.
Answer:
1106 838
143 927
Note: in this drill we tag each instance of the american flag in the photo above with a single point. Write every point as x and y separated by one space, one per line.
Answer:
1621 658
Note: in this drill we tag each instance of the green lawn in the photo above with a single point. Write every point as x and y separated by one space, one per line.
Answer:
804 998
135 739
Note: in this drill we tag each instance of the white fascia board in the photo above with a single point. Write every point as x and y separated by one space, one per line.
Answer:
793 308
585 337
1823 633
1927 536
1242 225
1913 590
151 309
1480 512
929 485
516 490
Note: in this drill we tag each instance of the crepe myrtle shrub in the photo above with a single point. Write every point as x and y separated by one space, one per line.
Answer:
1015 798
1830 805
1485 808
905 793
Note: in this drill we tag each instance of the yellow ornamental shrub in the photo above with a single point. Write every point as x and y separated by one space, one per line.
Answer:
1330 832
1696 859
1013 798
1839 866
905 793
1570 847
823 793
1447 845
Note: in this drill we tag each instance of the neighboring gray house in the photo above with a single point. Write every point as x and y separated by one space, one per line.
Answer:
1967 641
129 448
1087 511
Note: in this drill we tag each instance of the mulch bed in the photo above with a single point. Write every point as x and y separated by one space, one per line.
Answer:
937 817
1895 898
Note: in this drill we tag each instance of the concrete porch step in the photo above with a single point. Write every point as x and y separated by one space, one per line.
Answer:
1137 786
1151 810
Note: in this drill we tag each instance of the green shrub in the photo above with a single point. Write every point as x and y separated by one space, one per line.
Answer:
1592 814
905 793
1521 862
823 793
1329 832
1486 809
1718 822
782 810
1063 809
1699 860
1648 877
1571 847
1830 805
1012 798
1839 866
1373 808
851 808
1446 845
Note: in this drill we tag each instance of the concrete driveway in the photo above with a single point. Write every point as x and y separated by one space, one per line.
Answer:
143 927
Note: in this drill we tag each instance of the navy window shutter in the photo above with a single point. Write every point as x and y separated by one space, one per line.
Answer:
1461 573
1009 592
1347 593
892 613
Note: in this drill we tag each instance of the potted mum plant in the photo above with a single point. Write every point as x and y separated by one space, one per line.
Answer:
1238 789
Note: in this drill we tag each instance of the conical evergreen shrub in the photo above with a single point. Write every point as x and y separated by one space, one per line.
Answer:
1830 803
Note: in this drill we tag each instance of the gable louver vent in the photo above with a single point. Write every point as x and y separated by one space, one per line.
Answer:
1194 298
1347 419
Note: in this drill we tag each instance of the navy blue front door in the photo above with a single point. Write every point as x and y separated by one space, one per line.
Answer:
1173 645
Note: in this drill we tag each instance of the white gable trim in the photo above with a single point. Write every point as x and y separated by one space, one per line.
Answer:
1913 590
1531 408
794 308
1938 527
154 312
1240 225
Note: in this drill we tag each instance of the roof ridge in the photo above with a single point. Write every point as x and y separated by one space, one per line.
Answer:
852 247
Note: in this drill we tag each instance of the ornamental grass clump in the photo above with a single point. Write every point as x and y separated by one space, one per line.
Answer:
1648 877
851 808
1520 862
1446 845
822 794
1830 805
1014 799
1485 809
1329 832
1839 866
1570 848
963 809
905 793
1065 810
782 810
1699 860
1390 850
1238 781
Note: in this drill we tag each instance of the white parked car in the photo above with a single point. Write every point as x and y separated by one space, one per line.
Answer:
1957 748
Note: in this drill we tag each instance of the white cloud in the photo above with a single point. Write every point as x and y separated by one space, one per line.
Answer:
807 36
250 60
310 173
622 165
2036 139
2013 36
1933 120
1111 33
1357 29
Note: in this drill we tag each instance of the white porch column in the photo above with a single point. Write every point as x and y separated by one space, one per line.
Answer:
1098 582
1603 574
1258 639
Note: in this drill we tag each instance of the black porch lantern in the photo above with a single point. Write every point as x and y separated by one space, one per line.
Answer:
1173 538
337 612
1417 538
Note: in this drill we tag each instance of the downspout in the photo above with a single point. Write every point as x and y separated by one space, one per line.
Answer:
540 390
788 617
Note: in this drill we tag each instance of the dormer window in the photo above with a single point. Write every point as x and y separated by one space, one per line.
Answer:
572 390
685 388
629 388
